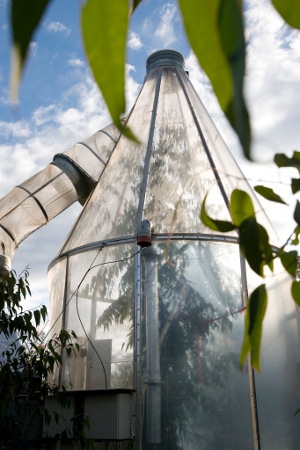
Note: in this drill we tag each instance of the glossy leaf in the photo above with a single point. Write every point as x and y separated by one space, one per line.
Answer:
282 160
215 32
250 245
297 213
218 225
289 10
289 261
296 292
266 248
104 29
295 185
269 194
241 206
255 312
25 18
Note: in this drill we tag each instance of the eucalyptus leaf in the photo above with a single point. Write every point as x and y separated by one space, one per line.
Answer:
217 225
250 245
255 312
289 261
266 248
25 19
282 160
289 10
295 238
241 206
269 194
295 290
104 30
295 185
215 32
297 213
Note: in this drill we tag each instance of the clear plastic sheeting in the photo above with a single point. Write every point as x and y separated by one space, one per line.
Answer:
165 177
99 307
204 398
278 383
156 299
92 154
112 209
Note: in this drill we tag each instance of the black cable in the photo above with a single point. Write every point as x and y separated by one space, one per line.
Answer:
77 309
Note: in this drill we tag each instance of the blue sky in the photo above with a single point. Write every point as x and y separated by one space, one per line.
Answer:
60 104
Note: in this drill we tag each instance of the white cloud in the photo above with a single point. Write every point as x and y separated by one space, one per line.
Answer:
165 31
132 87
19 129
43 115
33 48
134 41
58 27
76 62
272 81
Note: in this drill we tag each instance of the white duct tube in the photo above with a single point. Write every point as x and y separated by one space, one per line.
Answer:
71 177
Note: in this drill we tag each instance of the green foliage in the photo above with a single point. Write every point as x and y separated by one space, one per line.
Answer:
289 10
255 312
25 19
241 207
214 28
27 362
269 194
105 49
218 225
258 252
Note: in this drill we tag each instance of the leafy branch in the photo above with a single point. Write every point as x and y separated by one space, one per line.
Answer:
255 246
215 30
27 362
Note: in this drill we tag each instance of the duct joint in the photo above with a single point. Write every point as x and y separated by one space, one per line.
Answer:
83 184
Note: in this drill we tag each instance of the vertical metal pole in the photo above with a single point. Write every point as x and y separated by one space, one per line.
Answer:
137 352
153 380
253 403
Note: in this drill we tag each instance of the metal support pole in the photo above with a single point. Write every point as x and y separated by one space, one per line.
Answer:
153 380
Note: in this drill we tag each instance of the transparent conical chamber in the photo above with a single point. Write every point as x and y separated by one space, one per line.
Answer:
166 322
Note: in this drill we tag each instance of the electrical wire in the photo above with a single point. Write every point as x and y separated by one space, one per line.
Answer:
91 267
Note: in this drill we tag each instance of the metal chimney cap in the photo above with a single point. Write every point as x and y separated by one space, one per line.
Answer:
165 58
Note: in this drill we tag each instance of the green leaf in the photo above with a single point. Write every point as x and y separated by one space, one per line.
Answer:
241 206
282 160
25 18
37 317
217 225
104 29
289 261
295 185
269 194
255 312
297 213
289 10
266 248
250 245
134 5
215 31
295 290
295 237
